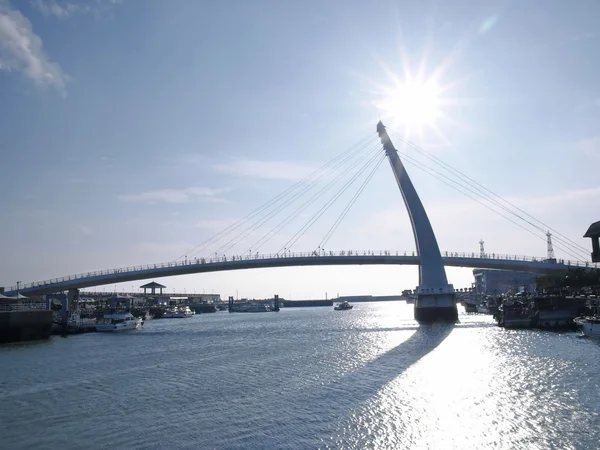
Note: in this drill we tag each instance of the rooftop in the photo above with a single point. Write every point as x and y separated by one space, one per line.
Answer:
593 230
153 284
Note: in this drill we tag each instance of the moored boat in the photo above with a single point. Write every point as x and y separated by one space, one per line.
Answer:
252 307
515 314
181 312
78 322
119 322
482 308
470 305
590 325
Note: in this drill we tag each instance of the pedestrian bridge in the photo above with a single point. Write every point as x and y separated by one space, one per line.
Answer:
340 258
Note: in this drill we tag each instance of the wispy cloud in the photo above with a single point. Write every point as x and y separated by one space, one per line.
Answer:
272 170
63 9
189 194
22 50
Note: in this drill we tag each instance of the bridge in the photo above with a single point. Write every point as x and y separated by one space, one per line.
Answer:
435 297
339 258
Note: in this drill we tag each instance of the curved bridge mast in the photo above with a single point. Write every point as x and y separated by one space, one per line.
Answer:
435 297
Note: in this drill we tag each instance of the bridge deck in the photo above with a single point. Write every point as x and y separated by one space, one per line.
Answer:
192 266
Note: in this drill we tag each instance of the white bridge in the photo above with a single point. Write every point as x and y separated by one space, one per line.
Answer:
435 296
339 258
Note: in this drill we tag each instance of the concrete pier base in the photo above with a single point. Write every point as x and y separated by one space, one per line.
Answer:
436 308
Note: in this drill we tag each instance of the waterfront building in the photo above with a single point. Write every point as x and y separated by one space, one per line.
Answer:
495 282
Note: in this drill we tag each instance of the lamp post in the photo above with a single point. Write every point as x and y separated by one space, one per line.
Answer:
18 285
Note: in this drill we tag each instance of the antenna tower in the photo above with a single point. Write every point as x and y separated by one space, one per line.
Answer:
481 249
550 247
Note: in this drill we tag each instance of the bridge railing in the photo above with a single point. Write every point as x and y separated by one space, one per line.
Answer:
288 254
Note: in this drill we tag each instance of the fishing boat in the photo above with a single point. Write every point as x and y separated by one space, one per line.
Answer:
514 314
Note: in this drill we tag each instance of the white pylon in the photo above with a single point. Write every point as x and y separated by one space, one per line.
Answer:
550 246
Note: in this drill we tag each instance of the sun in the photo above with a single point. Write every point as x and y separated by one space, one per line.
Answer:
415 99
412 105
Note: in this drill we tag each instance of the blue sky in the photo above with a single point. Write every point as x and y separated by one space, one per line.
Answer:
130 131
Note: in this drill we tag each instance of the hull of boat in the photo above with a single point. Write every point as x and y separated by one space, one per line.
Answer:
590 328
343 309
482 309
470 307
126 326
524 322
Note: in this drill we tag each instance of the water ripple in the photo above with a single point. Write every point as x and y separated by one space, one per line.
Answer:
368 378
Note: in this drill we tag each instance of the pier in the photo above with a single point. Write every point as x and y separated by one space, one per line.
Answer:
23 320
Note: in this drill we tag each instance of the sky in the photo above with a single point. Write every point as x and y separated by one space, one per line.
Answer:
131 131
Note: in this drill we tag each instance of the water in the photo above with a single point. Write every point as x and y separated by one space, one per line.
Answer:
300 379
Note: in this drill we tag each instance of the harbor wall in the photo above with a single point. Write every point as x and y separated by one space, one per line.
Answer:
306 303
19 326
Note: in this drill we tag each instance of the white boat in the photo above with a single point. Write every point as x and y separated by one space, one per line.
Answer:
342 306
590 326
169 313
119 322
181 312
187 312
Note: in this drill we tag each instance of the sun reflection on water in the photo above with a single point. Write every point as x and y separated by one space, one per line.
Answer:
480 387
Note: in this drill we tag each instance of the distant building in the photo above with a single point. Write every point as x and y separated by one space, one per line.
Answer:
488 281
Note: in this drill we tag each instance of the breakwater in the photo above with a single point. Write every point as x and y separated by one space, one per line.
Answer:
306 303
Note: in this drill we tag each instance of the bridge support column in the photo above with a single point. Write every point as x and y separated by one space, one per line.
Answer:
435 297
432 306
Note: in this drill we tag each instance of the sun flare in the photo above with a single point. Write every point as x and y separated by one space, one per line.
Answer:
412 105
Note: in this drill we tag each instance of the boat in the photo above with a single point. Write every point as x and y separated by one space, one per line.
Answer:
515 314
123 321
178 313
482 308
470 305
590 325
342 306
185 311
169 313
78 322
252 307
